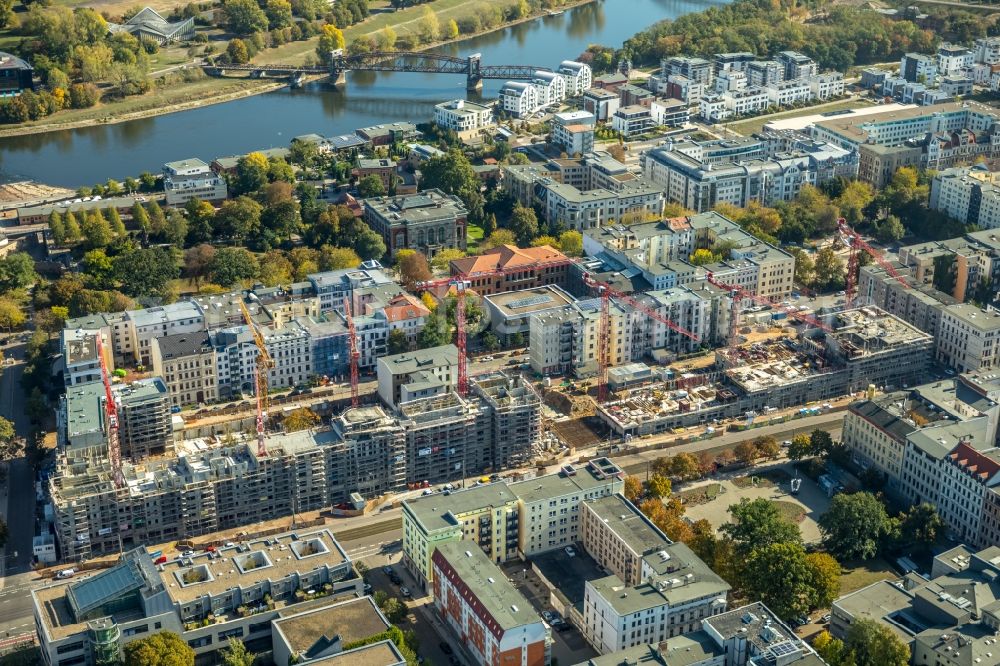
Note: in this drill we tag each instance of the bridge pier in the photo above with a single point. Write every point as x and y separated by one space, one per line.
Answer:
474 84
338 80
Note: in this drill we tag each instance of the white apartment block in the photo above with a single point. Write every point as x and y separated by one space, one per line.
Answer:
746 101
587 209
987 50
825 86
192 179
730 80
577 75
968 338
953 59
713 109
573 131
786 93
968 194
136 331
291 351
550 86
519 99
967 477
462 116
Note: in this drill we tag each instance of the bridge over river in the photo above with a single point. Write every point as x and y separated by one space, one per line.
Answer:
388 61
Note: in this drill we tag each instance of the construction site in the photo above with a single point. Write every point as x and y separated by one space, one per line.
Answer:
223 482
852 351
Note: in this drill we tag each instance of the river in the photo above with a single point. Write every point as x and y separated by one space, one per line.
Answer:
90 155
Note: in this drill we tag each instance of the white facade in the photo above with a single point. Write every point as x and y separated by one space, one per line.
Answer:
292 353
746 101
953 60
968 338
825 86
987 50
551 87
573 131
519 99
787 93
192 179
460 116
730 80
631 120
967 194
713 109
577 75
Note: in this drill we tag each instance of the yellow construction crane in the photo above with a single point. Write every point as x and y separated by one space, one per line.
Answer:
264 365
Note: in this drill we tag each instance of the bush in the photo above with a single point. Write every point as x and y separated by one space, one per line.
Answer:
83 95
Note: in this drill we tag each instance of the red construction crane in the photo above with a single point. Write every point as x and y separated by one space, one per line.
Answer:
462 282
741 293
604 336
855 242
355 354
263 366
111 411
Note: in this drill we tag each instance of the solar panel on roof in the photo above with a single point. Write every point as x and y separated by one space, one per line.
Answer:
784 648
529 301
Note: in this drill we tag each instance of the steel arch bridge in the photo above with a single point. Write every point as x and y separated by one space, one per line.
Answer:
391 61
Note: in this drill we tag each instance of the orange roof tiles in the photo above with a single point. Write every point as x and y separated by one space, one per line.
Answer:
506 257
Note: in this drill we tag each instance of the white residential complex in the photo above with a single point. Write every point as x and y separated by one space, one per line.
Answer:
192 179
968 194
462 116
522 98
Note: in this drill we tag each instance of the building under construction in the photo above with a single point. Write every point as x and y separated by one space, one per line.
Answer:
218 484
862 347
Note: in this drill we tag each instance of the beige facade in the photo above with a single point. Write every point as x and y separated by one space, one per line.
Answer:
187 364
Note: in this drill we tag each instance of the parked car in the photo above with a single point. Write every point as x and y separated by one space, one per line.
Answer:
187 553
825 619
445 647
387 570
570 551
405 591
65 573
394 577
547 616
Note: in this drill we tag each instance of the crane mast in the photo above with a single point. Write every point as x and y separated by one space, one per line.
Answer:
354 352
264 364
857 245
111 412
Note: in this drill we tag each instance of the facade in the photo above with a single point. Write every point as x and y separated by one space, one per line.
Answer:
518 99
601 103
382 168
145 424
797 65
953 59
968 338
463 117
491 617
505 520
573 132
510 268
511 312
89 621
577 75
630 121
418 374
918 67
192 179
969 194
427 222
186 362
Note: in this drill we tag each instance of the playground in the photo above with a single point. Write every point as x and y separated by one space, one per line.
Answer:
711 499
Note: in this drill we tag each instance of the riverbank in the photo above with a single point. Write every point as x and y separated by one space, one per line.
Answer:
212 91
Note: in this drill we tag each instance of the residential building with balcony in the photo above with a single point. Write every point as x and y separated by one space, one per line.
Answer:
192 179
463 117
578 76
187 364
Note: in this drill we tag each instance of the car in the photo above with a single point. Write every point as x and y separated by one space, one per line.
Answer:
445 647
785 444
368 588
427 491
65 573
841 293
394 577
486 358
548 616
405 591
187 553
387 570
570 551
801 621
825 619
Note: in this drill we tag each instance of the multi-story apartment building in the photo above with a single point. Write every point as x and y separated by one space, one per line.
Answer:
192 179
368 454
969 194
632 120
492 618
573 132
919 67
764 72
202 598
506 520
826 85
788 92
81 363
696 69
745 101
428 222
462 116
796 65
953 59
417 374
968 338
519 98
186 362
600 102
145 426
134 333
578 76
588 209
332 287
566 340
550 87
674 593
291 350
968 475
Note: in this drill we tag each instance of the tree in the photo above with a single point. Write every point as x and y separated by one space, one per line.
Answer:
685 466
524 224
855 526
145 272
17 271
875 644
825 579
490 341
338 258
758 523
658 486
73 232
251 171
279 13
237 51
396 342
442 260
498 238
96 230
435 332
450 30
275 268
115 220
198 262
921 525
428 27
139 216
780 575
239 218
701 256
890 230
632 489
829 270
100 268
301 419
804 266
6 430
821 442
57 227
164 648
767 447
244 17
571 243
232 265
330 40
175 229
412 267
371 186
453 174
801 447
201 221
395 610
746 453
386 38
236 654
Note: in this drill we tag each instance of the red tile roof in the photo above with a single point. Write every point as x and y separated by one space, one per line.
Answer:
506 257
975 463
405 306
